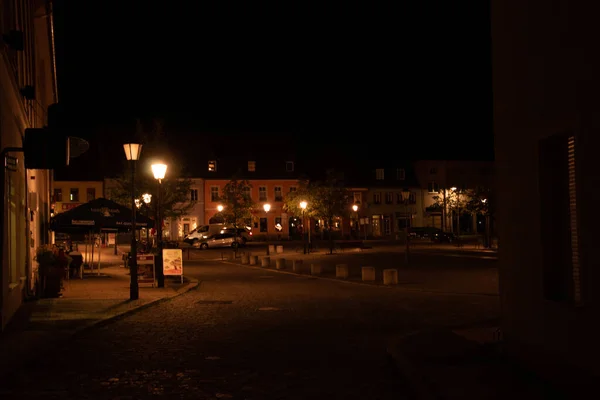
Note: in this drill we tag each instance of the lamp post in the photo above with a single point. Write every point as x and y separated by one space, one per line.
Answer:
132 153
457 192
303 205
355 208
267 207
220 210
159 171
406 200
147 198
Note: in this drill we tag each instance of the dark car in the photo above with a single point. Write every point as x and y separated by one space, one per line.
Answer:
443 237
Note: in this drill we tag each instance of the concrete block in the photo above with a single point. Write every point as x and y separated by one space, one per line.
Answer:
279 249
390 276
265 262
253 260
315 269
280 263
245 259
271 249
297 266
368 274
341 271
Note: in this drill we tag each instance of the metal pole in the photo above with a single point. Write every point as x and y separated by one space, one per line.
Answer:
407 251
303 231
267 233
160 277
134 292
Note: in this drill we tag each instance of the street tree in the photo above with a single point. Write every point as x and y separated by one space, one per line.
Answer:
237 202
452 200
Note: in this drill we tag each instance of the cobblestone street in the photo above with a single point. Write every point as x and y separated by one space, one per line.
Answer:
248 334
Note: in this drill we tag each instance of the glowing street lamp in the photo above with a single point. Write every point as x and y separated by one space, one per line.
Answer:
355 209
267 207
132 153
303 205
220 208
159 170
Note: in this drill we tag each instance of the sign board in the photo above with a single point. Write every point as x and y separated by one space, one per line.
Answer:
112 238
173 262
69 206
145 265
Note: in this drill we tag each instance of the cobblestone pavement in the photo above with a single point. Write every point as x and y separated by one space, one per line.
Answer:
248 334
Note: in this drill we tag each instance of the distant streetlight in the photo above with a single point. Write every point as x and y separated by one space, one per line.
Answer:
159 170
267 207
355 209
303 205
406 201
132 153
147 197
220 208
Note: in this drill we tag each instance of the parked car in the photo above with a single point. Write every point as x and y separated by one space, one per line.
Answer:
219 240
243 233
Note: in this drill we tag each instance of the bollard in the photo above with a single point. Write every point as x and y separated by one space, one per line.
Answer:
390 276
230 256
245 259
315 269
280 263
253 260
265 262
271 249
341 271
368 274
279 249
297 266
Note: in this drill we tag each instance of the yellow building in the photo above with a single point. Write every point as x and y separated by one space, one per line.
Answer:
27 88
70 194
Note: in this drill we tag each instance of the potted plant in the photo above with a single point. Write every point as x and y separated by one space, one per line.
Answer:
51 269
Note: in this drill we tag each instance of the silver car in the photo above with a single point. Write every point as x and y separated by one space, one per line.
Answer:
219 240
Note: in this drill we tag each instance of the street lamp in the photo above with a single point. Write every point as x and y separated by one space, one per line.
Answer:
132 153
267 207
147 198
406 200
219 208
159 170
355 209
303 205
455 189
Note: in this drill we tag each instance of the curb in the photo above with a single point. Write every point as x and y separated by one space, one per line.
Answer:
349 282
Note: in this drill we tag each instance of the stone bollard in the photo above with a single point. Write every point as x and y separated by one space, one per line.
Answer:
230 256
297 266
390 276
279 249
271 249
265 262
315 269
368 274
341 271
245 259
280 263
253 260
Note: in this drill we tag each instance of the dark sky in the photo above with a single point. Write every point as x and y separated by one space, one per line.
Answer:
411 80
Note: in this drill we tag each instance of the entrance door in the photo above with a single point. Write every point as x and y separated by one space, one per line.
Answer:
186 229
387 225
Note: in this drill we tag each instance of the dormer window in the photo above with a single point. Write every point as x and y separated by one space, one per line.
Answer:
251 166
212 166
379 174
289 166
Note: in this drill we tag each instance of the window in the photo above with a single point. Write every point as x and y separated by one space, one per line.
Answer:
433 187
278 194
400 174
293 189
376 198
262 193
251 166
194 194
263 224
561 269
389 198
357 197
212 166
247 193
90 194
379 174
58 195
289 166
412 199
214 193
399 198
74 195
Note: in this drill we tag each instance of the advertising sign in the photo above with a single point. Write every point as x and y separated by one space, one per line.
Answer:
145 265
173 262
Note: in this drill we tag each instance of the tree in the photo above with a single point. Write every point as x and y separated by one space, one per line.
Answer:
482 202
452 200
326 200
237 202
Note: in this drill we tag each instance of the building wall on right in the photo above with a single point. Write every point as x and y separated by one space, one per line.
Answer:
547 137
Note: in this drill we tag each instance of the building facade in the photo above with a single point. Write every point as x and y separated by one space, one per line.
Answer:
70 194
177 228
547 136
27 88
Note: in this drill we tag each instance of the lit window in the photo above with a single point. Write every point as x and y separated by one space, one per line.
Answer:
212 166
379 174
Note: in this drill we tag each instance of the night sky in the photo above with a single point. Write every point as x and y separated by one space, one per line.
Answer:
412 81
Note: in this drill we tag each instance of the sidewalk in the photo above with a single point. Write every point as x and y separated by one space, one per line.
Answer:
464 364
85 303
